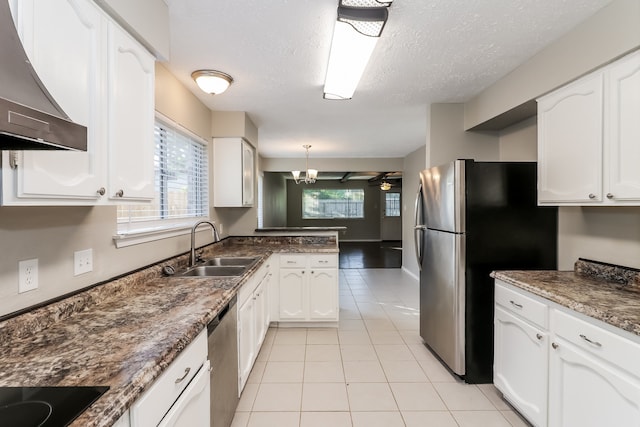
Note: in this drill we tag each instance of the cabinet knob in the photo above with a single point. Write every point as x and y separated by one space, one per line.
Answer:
120 193
592 196
311 271
554 345
609 196
539 336
101 191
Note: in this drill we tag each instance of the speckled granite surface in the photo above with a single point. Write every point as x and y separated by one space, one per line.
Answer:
602 291
125 333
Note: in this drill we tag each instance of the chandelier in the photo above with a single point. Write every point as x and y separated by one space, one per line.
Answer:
310 175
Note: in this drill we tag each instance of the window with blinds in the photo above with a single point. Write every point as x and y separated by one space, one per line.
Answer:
181 182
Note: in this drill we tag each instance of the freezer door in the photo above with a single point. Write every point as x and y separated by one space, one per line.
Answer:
442 297
444 196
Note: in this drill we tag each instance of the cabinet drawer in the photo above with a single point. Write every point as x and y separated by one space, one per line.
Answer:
328 260
156 401
526 307
596 340
293 261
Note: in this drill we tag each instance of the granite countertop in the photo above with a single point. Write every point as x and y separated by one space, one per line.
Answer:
602 291
294 229
125 333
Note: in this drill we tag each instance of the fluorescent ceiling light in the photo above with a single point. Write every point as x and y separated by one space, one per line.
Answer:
212 81
355 35
365 3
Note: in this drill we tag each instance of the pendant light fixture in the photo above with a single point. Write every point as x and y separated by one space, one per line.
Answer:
310 175
355 34
211 81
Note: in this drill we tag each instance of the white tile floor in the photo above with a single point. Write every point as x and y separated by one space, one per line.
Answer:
373 370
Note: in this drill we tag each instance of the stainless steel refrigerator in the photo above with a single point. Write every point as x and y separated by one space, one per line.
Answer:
472 218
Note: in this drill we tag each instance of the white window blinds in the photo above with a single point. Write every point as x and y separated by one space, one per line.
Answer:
181 180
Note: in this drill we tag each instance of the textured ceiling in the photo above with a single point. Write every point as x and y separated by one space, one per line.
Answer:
430 51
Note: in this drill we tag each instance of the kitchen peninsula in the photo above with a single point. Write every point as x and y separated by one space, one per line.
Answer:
126 332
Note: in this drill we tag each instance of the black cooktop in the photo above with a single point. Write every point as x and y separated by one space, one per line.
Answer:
45 406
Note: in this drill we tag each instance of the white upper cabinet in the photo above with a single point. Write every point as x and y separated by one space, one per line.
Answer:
623 130
233 173
588 133
131 115
64 53
102 79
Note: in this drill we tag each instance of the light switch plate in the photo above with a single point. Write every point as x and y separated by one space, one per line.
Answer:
82 262
27 275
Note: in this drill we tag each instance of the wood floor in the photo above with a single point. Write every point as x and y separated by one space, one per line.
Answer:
387 254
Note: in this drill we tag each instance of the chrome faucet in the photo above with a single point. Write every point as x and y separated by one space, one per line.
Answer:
216 238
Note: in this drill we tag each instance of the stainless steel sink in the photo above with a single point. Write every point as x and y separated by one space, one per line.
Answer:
215 271
222 261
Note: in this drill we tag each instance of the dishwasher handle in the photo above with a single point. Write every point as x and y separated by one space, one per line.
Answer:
216 321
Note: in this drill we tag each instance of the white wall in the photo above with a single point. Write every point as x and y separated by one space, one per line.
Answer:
413 164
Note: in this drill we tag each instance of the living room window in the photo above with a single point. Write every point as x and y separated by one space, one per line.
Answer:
329 204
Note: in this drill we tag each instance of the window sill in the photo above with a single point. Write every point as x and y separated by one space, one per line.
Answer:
153 232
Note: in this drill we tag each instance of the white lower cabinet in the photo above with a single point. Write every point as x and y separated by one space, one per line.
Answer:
123 421
180 396
308 288
253 320
580 372
520 365
593 377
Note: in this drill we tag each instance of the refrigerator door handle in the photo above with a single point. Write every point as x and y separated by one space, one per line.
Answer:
418 229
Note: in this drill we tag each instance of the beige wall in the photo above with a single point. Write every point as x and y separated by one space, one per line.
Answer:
518 143
53 234
610 33
447 140
413 164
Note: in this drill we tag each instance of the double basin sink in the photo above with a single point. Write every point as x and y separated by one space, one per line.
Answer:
220 267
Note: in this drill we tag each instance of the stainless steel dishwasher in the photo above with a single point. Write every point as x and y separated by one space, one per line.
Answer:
223 355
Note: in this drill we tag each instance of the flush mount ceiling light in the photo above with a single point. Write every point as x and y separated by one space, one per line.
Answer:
211 81
355 35
310 175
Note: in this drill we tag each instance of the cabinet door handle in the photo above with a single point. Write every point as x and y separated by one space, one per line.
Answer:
186 372
120 193
596 343
515 304
554 345
609 196
539 336
592 196
101 191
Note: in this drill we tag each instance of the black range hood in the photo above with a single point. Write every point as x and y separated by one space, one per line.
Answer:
30 119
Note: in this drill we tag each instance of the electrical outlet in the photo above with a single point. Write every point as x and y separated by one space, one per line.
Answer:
82 262
27 275
220 229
